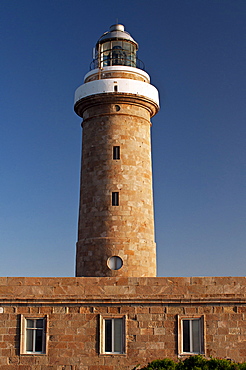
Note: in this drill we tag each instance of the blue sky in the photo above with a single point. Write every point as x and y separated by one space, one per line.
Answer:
195 53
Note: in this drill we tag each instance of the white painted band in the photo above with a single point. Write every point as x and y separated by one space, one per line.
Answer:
117 85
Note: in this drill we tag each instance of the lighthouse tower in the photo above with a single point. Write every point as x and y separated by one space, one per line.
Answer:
116 220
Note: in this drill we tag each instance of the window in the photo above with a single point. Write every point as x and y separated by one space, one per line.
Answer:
112 335
116 52
115 198
33 335
116 152
191 337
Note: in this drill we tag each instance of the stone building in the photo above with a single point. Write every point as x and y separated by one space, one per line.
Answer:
115 313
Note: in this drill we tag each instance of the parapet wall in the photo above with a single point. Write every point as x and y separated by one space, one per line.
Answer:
160 289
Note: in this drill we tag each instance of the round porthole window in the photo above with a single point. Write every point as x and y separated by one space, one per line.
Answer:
115 263
117 108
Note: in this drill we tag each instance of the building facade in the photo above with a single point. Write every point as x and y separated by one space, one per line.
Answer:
115 314
116 323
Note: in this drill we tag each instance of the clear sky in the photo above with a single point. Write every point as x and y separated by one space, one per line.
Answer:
195 53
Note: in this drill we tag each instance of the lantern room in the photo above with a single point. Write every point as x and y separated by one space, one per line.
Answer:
116 47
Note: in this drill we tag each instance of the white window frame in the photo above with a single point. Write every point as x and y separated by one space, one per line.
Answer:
23 334
201 339
103 333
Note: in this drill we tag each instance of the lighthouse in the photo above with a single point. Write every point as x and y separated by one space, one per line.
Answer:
116 218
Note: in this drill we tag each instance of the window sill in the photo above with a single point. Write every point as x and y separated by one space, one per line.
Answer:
33 354
113 354
191 354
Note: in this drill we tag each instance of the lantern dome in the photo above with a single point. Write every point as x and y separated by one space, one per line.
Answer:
117 31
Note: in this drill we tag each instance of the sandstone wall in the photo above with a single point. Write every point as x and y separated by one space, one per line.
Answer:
126 230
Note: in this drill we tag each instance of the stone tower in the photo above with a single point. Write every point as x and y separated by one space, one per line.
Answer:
116 220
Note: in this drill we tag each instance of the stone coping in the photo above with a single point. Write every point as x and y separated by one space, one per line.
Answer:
160 290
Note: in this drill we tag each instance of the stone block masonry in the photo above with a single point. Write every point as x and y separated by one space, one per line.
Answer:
127 230
151 307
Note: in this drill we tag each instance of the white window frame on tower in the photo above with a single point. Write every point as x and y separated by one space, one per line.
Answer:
121 350
25 334
191 331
